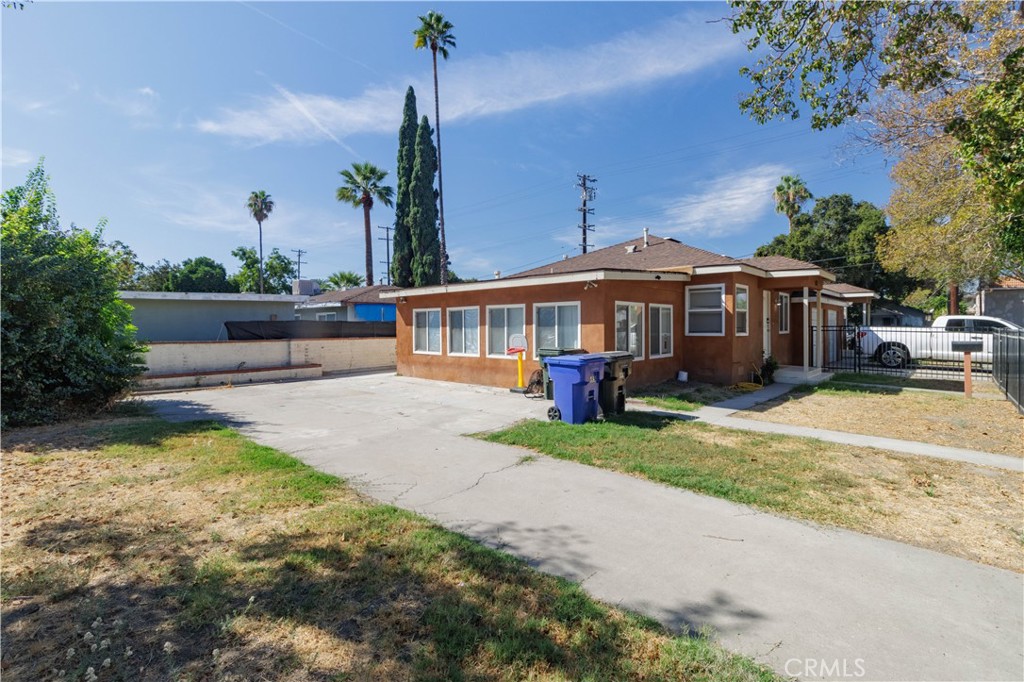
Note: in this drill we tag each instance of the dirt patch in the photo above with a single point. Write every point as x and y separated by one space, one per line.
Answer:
977 424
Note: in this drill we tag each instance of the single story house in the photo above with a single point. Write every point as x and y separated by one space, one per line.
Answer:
356 304
181 316
673 306
1004 299
892 314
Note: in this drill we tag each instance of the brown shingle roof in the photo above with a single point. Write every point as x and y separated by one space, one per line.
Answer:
844 288
659 254
354 295
771 263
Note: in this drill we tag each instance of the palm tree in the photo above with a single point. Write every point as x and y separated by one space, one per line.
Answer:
789 196
345 280
435 32
260 207
363 186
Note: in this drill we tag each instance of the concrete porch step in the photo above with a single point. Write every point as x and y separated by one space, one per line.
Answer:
790 374
225 377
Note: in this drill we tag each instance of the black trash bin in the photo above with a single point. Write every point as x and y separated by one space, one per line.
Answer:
612 393
542 353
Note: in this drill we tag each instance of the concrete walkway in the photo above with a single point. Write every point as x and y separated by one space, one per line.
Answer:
798 597
721 414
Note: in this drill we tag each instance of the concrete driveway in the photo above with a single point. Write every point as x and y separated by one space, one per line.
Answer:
811 602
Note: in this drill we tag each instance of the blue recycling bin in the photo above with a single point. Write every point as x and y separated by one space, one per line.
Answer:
577 380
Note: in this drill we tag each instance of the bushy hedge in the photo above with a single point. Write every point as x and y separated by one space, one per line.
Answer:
68 343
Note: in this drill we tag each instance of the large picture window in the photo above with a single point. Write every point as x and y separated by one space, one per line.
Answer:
556 325
742 312
783 313
426 331
629 328
705 310
661 331
463 331
503 322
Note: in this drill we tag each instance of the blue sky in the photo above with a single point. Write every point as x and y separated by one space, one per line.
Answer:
162 117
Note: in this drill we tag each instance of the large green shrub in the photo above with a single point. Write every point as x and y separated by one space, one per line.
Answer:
68 343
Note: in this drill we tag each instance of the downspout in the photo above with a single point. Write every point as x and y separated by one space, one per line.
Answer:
807 324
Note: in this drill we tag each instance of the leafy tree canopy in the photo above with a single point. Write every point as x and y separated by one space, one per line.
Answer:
201 274
278 272
841 236
68 343
942 229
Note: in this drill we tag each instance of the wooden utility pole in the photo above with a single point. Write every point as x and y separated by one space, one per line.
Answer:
387 250
587 193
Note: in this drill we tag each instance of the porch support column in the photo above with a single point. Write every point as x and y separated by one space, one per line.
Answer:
807 324
819 335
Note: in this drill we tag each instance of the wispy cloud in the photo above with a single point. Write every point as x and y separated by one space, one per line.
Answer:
138 105
219 209
487 86
725 205
16 158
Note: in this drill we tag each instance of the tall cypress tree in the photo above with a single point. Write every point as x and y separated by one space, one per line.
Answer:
401 260
426 247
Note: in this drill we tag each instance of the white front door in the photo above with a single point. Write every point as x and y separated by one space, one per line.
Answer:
766 325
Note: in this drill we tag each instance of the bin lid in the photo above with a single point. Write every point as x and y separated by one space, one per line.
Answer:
616 355
575 360
552 352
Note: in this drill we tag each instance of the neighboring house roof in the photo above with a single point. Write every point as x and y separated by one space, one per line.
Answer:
844 290
1008 282
202 296
894 308
351 296
659 254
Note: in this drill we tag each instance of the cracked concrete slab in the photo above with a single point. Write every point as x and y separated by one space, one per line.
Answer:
785 592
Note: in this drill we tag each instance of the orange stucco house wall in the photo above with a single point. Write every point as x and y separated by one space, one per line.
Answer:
727 358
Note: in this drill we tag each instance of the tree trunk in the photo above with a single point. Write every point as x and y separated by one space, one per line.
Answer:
369 244
954 299
260 223
440 181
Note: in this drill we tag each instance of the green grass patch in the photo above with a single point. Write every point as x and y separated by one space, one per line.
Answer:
189 551
777 473
684 397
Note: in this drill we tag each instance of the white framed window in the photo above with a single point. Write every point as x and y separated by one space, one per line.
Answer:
556 325
629 328
327 317
783 313
464 331
426 331
661 331
742 312
502 322
705 310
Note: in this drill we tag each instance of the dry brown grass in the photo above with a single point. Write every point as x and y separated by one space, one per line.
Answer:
982 423
151 551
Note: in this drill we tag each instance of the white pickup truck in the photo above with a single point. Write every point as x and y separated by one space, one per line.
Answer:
898 346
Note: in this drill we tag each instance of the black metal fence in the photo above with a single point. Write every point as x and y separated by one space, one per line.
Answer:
1008 364
909 352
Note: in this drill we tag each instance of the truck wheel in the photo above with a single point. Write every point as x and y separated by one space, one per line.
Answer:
893 355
